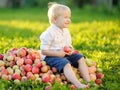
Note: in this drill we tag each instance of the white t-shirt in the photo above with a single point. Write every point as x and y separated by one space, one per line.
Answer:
55 39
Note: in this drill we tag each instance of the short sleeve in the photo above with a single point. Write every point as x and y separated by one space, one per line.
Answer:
46 40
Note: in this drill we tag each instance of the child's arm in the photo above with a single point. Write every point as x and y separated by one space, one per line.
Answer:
59 53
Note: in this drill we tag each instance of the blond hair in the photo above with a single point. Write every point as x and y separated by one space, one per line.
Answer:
56 10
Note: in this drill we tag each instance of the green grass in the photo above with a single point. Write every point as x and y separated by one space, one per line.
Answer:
95 34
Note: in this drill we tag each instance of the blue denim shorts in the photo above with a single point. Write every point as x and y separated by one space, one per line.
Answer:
59 62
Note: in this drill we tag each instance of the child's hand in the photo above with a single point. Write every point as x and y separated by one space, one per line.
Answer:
68 51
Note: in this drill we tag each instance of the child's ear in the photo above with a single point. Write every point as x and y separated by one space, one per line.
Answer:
54 19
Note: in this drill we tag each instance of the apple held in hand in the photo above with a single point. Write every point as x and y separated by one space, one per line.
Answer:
67 49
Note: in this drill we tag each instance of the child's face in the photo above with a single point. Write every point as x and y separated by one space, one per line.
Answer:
63 20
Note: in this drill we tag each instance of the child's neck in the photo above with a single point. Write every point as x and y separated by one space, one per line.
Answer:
59 27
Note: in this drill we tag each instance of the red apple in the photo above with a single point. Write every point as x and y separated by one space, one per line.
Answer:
1 56
99 75
52 78
72 87
98 81
16 76
39 64
4 71
21 52
35 70
20 62
23 72
12 63
54 70
30 76
46 77
44 69
28 61
28 68
75 52
67 49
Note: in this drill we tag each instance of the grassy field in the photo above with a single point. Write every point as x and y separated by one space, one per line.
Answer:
95 34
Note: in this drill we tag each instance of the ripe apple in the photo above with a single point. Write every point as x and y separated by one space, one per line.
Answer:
39 64
20 62
28 61
54 70
17 81
9 77
10 57
5 77
37 61
43 63
28 68
24 79
35 70
10 70
99 75
36 75
16 76
38 79
75 52
48 87
30 76
44 69
92 77
67 49
98 81
58 79
4 71
72 87
23 72
45 77
11 63
21 52
18 71
2 63
52 78
15 67
1 68
1 56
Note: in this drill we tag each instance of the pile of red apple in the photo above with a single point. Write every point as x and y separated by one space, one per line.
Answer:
25 64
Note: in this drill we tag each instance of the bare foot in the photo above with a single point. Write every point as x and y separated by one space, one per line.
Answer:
84 86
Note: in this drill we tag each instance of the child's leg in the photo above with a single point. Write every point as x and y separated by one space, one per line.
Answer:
83 68
70 75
